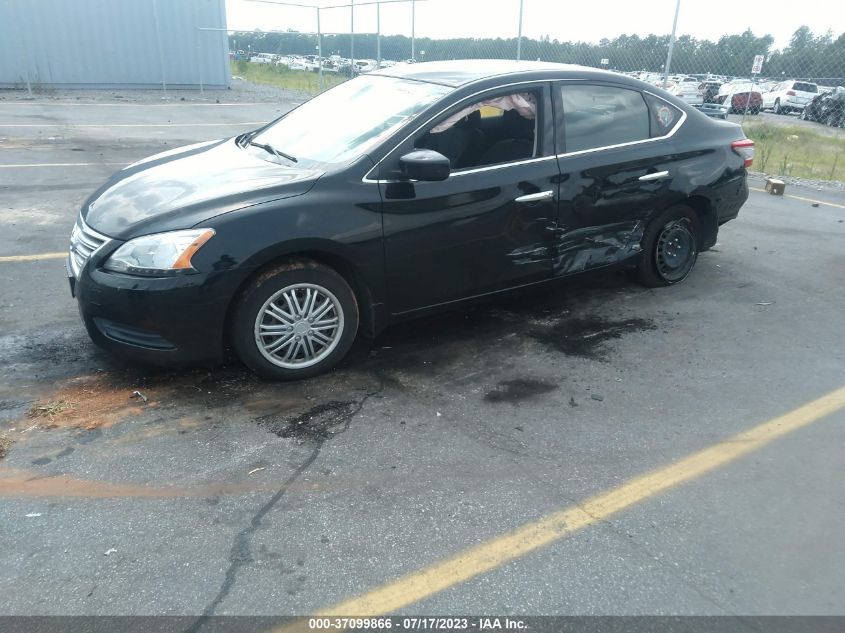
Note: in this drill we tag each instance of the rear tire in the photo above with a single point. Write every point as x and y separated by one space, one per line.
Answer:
776 107
295 321
670 248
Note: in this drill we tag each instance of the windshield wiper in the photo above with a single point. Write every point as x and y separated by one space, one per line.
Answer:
272 150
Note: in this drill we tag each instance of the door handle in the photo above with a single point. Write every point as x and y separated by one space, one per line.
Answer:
658 175
536 197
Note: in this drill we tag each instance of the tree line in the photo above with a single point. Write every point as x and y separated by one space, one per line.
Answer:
808 56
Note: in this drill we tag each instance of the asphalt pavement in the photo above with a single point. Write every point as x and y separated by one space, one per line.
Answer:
218 493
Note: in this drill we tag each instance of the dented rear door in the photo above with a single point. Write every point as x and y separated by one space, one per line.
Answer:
614 175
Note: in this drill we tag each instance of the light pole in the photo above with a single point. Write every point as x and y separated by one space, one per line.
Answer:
671 45
519 37
413 27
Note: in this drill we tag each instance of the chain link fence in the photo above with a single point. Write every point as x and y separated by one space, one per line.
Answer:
737 75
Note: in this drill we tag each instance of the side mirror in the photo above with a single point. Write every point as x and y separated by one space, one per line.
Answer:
426 165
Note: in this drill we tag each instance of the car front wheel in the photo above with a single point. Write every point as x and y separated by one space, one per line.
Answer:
295 321
670 248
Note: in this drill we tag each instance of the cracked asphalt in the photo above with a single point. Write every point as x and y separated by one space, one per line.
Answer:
224 494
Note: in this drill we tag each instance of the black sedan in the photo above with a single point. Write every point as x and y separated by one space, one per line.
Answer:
827 108
402 192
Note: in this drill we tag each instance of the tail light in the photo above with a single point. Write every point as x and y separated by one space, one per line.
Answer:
790 93
744 148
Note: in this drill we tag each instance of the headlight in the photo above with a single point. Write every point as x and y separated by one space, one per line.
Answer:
160 254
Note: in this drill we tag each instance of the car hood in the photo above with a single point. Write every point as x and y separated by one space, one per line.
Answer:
182 187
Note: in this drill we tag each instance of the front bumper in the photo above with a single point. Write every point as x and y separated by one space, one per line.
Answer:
166 321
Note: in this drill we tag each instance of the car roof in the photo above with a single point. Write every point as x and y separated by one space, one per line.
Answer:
457 73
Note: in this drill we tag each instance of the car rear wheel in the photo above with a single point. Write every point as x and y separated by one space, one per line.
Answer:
776 108
295 321
670 248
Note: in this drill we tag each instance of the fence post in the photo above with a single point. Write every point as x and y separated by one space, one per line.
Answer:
158 46
23 46
378 34
519 37
198 48
320 47
671 45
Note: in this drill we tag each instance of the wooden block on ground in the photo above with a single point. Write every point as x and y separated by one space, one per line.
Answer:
775 186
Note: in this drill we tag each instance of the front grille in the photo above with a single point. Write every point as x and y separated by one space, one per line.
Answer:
83 242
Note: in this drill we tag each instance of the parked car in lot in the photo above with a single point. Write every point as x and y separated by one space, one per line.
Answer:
687 89
827 108
740 97
709 91
789 96
263 58
400 193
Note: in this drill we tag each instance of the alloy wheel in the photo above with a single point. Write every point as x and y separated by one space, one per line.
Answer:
299 326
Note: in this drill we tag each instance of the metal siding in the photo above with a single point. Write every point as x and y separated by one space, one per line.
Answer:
104 43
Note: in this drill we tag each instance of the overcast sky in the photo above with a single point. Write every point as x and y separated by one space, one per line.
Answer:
584 20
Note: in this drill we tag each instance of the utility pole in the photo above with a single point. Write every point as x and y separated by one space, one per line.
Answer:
519 37
671 45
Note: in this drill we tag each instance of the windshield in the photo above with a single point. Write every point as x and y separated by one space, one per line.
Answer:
350 119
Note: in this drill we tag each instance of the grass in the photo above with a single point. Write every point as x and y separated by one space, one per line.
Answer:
50 409
281 77
792 150
5 443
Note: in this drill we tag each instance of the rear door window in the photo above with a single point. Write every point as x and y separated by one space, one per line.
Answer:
800 86
600 116
663 116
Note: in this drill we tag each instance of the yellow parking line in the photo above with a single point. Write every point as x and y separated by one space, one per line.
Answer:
786 195
84 104
24 165
108 125
494 553
31 258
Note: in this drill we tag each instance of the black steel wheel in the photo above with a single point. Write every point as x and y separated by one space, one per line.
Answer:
670 248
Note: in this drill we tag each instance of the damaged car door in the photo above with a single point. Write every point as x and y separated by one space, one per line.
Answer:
616 171
485 227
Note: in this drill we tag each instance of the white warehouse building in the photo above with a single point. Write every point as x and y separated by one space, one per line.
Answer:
113 44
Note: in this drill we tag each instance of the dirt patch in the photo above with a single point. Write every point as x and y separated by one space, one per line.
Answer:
30 483
517 390
586 336
317 424
89 402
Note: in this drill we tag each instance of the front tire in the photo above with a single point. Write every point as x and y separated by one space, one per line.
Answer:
670 248
295 321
